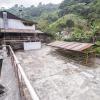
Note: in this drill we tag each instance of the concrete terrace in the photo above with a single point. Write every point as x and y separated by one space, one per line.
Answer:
9 81
54 77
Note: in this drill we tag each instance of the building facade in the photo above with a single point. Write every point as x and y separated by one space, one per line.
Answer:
18 30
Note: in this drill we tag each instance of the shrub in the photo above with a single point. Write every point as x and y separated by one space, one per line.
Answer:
97 50
97 43
80 35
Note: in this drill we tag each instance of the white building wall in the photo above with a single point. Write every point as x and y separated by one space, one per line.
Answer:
1 23
16 24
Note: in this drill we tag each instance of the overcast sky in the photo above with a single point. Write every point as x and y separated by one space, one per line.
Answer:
10 3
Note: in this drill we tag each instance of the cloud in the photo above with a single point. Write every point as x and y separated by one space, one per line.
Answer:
7 3
10 3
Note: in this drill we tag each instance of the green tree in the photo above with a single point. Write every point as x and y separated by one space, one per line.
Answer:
69 25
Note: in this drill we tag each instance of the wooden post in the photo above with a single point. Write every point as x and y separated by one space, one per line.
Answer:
87 58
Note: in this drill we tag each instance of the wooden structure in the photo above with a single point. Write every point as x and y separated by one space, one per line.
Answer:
85 48
15 30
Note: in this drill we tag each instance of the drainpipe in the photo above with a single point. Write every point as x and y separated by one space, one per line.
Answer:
1 60
5 22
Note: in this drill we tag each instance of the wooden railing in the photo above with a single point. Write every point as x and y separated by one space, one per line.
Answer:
23 81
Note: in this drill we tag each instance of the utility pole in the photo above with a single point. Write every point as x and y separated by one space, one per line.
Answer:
20 12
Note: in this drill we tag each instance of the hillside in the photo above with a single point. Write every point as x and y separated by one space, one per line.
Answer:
60 24
41 11
85 15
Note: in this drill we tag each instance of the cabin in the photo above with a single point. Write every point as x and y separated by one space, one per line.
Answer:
18 30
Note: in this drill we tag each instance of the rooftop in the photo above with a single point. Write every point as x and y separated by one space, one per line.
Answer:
12 16
74 46
8 80
55 77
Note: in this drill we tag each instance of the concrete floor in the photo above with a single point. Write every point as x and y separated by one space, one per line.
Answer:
54 77
9 81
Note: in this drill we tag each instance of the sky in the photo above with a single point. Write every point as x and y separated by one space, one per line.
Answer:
26 3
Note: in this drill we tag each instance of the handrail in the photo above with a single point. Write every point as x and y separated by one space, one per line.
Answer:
27 82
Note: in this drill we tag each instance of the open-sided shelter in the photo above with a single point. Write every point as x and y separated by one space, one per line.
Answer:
85 48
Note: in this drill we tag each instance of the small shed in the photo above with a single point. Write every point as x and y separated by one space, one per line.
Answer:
85 48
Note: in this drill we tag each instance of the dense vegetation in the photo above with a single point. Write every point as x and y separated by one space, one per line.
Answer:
87 14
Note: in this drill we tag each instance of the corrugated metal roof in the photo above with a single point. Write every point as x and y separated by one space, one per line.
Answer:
73 46
12 16
20 31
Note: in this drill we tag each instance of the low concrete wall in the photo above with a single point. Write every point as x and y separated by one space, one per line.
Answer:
32 45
